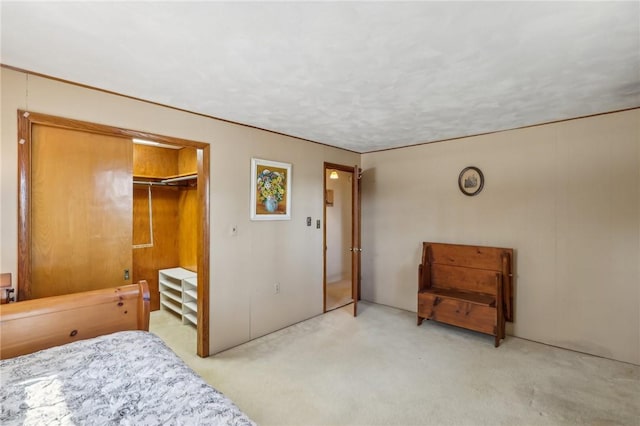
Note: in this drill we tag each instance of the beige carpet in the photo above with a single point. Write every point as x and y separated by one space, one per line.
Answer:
338 294
381 369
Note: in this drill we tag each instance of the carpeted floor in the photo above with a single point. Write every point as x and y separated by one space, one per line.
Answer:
381 369
338 294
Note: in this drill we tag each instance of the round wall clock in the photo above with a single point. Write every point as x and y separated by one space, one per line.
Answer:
471 181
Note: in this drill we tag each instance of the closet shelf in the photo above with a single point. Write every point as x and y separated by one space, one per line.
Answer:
172 306
181 180
178 293
192 319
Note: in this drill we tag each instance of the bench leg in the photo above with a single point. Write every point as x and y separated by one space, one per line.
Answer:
500 332
420 319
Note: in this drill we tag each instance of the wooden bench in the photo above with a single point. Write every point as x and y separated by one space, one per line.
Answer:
466 286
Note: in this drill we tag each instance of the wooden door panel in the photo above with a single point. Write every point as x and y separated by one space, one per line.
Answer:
81 211
355 243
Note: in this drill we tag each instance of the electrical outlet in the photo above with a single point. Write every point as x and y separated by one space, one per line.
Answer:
308 220
318 224
276 288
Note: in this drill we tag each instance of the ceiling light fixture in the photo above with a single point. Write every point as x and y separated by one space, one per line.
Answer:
155 144
333 175
145 142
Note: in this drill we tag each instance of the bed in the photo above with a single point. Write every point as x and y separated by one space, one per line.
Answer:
88 358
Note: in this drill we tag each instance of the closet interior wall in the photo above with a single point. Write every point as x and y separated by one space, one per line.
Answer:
173 214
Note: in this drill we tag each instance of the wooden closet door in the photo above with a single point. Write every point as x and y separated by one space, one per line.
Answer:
81 211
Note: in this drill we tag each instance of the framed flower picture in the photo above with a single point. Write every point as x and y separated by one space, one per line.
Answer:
270 190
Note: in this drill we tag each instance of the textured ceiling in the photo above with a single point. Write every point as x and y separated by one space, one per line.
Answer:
358 75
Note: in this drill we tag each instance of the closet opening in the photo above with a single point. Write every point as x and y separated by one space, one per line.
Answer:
165 229
165 223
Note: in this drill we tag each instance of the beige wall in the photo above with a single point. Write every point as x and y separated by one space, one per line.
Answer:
244 268
565 196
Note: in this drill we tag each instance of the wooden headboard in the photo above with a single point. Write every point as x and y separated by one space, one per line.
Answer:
36 324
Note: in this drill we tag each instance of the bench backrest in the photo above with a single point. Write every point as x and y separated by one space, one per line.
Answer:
467 268
463 278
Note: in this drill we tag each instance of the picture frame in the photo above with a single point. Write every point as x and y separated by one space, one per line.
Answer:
471 181
270 190
329 198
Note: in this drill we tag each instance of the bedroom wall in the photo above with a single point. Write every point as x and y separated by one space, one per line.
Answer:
565 196
244 268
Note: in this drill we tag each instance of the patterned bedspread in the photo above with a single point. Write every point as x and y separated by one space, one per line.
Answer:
125 378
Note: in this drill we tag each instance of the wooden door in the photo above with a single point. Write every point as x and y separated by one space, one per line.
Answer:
355 239
81 211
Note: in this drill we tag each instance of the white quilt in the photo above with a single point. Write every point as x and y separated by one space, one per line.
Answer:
125 378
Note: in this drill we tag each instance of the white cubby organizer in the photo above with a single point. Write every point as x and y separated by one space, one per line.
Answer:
179 293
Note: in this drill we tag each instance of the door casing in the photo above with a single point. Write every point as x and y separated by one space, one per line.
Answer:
27 119
355 238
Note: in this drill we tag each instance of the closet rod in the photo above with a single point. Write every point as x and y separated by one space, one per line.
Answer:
141 182
178 179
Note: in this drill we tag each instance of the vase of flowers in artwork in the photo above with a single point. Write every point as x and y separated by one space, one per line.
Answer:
271 186
271 204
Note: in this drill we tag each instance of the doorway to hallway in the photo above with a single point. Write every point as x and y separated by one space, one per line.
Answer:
338 214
